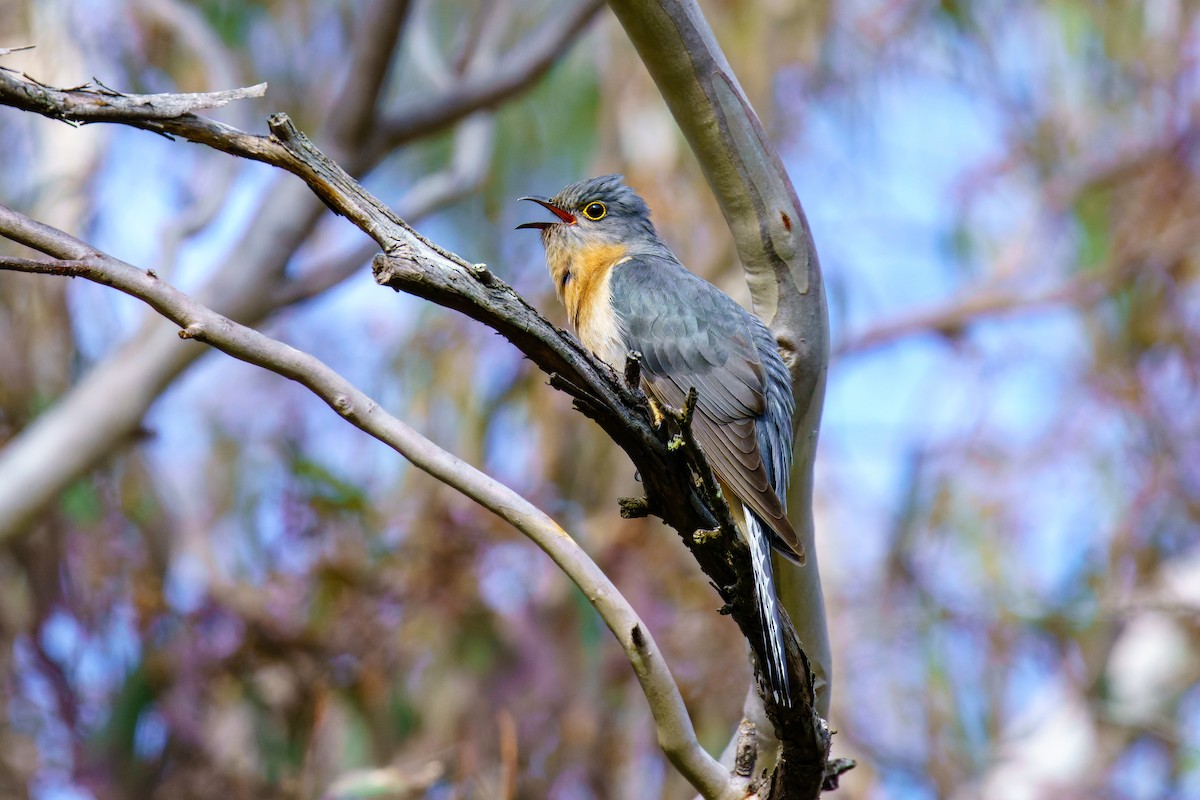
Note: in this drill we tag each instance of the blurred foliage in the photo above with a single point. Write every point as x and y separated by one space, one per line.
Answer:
253 600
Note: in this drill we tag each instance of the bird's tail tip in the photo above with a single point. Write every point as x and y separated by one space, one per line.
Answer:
775 649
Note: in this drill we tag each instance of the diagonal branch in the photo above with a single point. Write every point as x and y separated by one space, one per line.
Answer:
466 171
106 407
777 250
412 263
526 62
354 112
676 734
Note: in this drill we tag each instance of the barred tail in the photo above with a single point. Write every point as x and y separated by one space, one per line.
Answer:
758 537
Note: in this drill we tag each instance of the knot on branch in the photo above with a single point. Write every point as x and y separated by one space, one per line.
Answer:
834 769
747 749
633 371
343 404
635 507
585 402
381 268
637 637
483 274
283 129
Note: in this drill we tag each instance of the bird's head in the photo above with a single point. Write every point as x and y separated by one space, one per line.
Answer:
595 212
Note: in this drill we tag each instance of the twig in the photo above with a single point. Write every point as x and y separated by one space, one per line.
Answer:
96 103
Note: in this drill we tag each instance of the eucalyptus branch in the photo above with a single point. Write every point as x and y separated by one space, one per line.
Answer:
196 322
779 256
466 171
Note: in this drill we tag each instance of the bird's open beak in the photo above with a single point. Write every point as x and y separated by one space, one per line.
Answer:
563 216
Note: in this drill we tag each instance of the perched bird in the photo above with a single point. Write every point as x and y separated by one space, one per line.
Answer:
624 290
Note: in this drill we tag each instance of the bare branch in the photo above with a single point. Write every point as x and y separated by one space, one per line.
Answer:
43 238
95 103
675 731
68 439
525 63
467 169
952 319
287 148
354 112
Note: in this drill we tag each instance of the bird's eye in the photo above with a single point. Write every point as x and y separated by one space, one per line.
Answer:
595 210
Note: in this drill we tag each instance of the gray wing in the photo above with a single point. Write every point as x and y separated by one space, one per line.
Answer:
691 334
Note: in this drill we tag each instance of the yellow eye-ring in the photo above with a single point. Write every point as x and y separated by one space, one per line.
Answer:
595 210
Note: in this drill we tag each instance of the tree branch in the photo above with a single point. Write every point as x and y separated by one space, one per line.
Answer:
94 102
467 169
106 407
953 318
675 732
777 251
526 62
